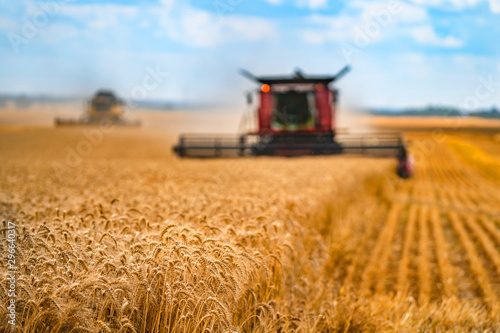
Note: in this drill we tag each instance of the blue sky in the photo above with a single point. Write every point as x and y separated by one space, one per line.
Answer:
403 53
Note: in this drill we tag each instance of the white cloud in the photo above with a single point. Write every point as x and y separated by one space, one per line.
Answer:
458 5
178 21
312 4
7 24
197 27
274 2
56 32
99 16
328 28
427 36
495 6
312 37
362 15
398 10
168 3
375 21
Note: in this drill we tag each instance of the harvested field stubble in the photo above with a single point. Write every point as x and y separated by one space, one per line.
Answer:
134 240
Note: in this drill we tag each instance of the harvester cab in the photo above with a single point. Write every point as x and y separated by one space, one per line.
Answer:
296 116
104 106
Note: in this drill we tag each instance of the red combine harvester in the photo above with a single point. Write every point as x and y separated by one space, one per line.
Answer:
296 117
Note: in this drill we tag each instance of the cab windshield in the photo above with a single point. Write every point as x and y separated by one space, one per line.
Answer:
293 110
102 107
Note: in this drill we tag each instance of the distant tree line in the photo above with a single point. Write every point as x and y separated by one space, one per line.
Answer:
437 111
21 102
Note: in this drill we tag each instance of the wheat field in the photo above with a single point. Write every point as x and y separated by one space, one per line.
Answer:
128 238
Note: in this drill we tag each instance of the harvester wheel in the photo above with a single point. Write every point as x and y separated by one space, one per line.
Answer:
403 173
406 167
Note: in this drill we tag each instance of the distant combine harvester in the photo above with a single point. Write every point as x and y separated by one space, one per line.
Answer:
103 107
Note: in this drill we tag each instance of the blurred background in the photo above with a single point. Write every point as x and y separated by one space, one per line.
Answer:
172 54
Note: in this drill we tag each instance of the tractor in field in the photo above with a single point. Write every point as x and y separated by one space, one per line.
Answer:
295 117
105 106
